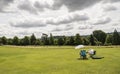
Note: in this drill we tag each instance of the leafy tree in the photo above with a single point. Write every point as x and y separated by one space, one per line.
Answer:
92 40
4 40
55 41
100 35
64 40
67 41
26 40
32 39
78 39
108 40
10 41
15 40
60 41
0 41
51 40
45 41
38 42
116 38
71 41
86 41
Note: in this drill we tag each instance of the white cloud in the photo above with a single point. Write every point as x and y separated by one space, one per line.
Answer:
67 18
28 24
83 27
70 18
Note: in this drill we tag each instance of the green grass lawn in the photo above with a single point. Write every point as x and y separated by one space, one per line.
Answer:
57 60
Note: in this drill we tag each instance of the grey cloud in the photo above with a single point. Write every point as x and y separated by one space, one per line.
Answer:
40 6
74 17
57 29
68 19
74 5
110 1
34 8
109 8
28 24
83 27
115 24
103 21
27 6
68 27
4 4
24 33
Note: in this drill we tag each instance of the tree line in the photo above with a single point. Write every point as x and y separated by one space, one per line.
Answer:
98 37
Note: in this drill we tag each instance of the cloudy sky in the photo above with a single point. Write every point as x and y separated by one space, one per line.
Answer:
59 17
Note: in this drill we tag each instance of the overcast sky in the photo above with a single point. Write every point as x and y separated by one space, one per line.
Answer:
59 17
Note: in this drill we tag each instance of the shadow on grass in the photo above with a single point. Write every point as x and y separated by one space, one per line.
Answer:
82 59
95 58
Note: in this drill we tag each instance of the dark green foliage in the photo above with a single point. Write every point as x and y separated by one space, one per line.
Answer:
97 38
78 39
60 41
4 40
100 35
15 40
108 40
45 41
10 41
51 40
116 38
38 42
32 39
26 40
67 41
92 40
0 41
86 41
70 41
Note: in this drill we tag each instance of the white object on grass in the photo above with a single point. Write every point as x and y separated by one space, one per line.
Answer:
91 51
79 46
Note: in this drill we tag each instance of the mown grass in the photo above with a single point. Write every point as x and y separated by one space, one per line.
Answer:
57 60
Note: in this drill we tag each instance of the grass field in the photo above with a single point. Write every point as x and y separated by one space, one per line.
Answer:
57 60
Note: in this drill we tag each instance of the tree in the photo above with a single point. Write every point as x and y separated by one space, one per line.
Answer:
51 40
108 40
38 42
32 39
116 38
60 41
71 41
64 40
85 41
0 41
78 39
45 41
67 41
100 35
26 40
92 40
10 41
4 40
15 40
